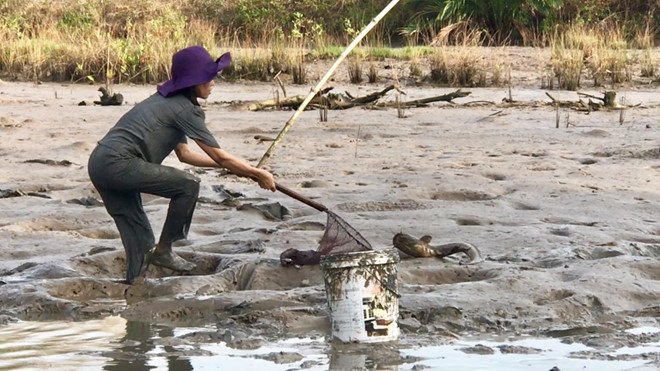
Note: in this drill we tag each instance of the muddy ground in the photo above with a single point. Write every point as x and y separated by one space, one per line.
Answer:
567 219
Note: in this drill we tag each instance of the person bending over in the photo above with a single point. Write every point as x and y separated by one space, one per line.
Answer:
127 161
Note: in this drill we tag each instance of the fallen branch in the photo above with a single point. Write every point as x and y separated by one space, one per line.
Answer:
323 99
425 102
288 102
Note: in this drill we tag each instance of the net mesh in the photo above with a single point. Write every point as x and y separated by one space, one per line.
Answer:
340 237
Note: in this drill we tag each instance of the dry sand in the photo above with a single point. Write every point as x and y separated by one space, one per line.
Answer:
568 219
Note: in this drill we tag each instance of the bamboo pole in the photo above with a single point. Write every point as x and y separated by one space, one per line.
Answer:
325 79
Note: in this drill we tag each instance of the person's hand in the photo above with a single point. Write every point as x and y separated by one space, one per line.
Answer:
266 180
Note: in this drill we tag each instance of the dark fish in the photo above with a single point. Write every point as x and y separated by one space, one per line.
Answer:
422 248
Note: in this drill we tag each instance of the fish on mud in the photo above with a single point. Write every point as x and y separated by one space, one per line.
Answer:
422 248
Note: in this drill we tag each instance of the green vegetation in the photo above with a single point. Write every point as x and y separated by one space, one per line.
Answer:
502 20
132 41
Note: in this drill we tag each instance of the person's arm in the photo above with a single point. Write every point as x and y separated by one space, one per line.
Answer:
188 156
222 158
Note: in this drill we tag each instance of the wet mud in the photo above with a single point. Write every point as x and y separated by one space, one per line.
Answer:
566 220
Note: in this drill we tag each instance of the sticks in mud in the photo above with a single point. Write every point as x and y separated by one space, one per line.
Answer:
607 101
326 100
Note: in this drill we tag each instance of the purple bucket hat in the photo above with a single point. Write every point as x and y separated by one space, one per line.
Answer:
192 66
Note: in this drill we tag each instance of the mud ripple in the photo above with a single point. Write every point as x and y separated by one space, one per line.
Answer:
645 154
560 220
400 205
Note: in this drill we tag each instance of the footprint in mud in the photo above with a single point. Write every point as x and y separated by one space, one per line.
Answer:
463 195
303 226
314 184
587 161
495 176
517 205
469 221
554 295
86 201
562 232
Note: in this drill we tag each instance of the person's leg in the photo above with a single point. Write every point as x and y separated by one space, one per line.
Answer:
134 175
181 188
134 228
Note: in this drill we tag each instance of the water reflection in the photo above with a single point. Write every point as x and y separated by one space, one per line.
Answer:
58 345
116 344
137 350
384 357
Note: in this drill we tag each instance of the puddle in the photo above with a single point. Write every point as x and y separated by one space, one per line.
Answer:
553 353
116 344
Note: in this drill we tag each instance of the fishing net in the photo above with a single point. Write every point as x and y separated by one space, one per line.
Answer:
340 237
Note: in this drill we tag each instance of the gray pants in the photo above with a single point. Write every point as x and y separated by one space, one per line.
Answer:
120 179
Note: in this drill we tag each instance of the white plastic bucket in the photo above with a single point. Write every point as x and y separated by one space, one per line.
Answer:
362 295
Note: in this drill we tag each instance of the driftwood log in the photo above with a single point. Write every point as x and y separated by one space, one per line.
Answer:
326 100
425 102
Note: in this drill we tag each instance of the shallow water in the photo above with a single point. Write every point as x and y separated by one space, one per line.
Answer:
116 344
554 354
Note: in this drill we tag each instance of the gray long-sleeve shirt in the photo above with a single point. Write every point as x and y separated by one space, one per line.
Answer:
154 127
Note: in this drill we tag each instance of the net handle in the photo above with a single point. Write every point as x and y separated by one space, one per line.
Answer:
293 194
